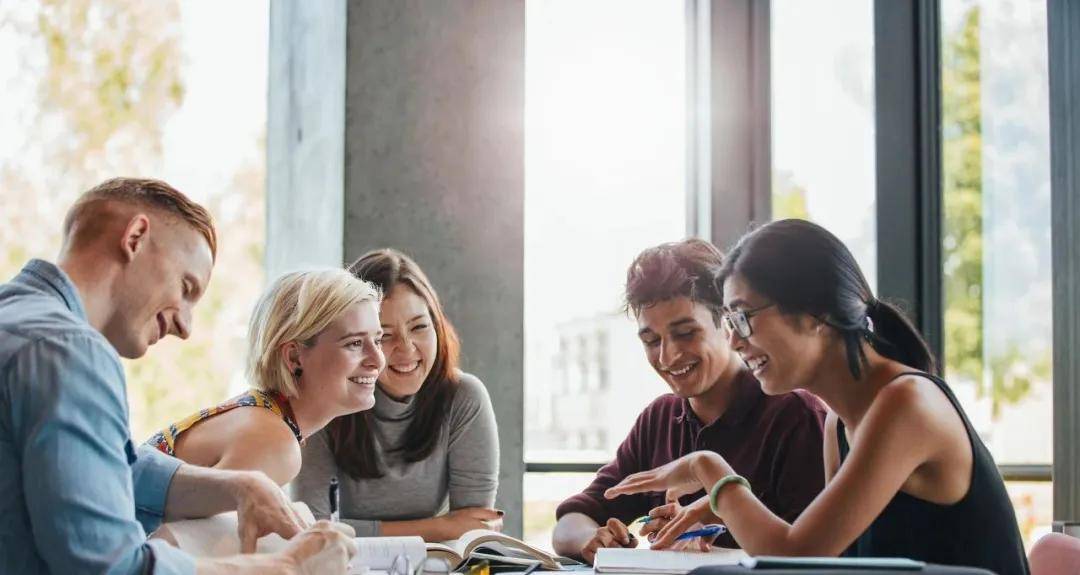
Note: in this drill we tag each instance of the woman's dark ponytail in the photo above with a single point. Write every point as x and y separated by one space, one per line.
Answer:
803 268
894 337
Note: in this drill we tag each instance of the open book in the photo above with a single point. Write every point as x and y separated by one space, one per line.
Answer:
217 537
662 562
495 547
379 553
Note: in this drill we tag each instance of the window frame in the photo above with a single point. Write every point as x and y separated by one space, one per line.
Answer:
907 75
1063 21
729 166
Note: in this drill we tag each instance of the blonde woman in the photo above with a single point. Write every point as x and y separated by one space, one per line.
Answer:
425 461
313 355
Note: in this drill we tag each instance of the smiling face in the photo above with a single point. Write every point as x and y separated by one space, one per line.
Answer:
409 342
684 345
342 364
159 287
783 351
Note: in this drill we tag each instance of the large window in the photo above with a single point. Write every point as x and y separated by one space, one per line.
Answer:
605 163
823 119
996 232
94 90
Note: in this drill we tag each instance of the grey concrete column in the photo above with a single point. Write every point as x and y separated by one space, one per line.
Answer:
401 124
305 164
434 166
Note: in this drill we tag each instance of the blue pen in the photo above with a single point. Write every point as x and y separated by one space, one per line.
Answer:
707 531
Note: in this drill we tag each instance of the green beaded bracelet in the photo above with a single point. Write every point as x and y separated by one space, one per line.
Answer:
714 493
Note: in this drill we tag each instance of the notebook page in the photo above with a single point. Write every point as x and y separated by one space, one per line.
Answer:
378 553
662 562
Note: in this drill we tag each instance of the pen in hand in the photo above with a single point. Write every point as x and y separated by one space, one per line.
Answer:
334 499
707 531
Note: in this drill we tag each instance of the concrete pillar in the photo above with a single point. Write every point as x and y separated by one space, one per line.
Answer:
305 167
433 163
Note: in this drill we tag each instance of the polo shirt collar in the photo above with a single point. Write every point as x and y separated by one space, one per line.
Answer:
748 395
49 278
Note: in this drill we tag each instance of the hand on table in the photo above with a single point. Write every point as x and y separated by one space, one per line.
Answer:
455 523
613 534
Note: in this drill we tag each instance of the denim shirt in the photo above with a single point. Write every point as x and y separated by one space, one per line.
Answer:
75 495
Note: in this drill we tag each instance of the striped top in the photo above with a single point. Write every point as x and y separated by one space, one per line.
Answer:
165 440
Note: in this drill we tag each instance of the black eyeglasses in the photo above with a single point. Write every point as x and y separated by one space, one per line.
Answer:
739 321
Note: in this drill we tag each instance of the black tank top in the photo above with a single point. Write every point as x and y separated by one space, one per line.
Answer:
980 530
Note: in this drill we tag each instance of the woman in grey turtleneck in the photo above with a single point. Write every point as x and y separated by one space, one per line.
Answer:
425 460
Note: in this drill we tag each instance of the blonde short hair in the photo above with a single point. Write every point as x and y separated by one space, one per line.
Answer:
298 306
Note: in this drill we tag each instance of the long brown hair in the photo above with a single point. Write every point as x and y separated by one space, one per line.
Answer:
352 439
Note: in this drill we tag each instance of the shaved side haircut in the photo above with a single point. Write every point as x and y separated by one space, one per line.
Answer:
84 218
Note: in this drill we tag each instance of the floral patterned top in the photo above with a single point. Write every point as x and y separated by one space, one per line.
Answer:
165 440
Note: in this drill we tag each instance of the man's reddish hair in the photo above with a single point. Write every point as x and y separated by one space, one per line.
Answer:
144 192
687 268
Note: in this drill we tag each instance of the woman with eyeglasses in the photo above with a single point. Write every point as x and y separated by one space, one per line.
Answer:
906 473
425 460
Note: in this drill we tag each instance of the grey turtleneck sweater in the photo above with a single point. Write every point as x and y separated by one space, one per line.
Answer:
462 471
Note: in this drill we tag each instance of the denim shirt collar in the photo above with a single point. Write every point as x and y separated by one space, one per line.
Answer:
49 278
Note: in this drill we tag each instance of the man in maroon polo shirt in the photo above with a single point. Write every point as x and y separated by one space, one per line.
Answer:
715 404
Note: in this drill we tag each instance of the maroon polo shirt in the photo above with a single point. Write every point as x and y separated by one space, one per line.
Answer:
773 441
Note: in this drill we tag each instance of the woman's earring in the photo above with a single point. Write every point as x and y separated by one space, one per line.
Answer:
298 372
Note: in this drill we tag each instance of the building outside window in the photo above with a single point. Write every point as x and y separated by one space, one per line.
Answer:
604 163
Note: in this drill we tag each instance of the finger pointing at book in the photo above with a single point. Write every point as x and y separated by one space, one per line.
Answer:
263 508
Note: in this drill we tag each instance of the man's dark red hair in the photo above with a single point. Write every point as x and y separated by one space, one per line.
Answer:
688 268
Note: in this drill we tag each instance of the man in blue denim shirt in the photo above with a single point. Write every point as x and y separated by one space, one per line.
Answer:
75 495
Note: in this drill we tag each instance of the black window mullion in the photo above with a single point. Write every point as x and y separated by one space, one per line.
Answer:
1063 19
908 146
